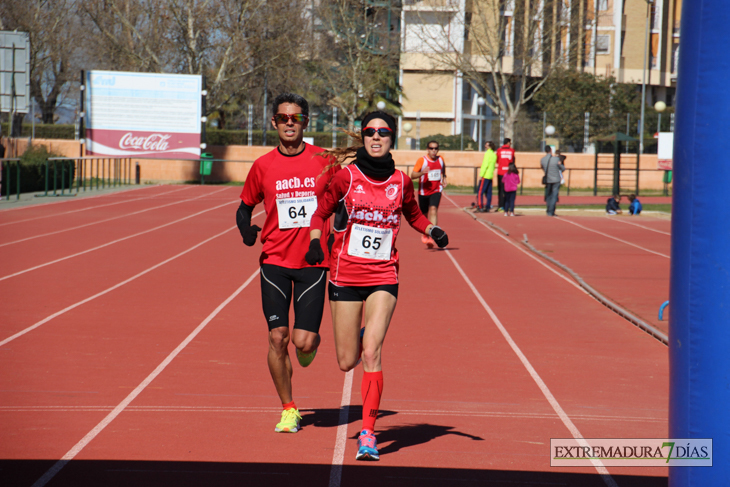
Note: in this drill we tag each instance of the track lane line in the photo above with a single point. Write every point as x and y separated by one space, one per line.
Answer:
27 207
338 457
112 242
110 219
517 246
612 237
597 464
116 286
641 226
73 452
90 207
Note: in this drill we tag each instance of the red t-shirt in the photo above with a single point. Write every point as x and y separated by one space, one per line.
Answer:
366 225
431 182
288 187
505 156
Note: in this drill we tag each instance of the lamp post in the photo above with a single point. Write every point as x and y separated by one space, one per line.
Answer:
380 105
480 103
407 127
643 76
659 106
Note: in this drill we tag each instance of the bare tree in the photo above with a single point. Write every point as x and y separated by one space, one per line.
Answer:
357 61
508 50
53 29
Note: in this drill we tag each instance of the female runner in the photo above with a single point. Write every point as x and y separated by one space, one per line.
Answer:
368 198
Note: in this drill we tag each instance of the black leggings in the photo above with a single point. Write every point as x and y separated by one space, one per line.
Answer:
307 286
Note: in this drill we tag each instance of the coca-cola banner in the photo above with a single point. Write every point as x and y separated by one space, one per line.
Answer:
143 114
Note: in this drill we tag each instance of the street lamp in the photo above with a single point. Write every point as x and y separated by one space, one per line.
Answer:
407 127
643 76
659 106
480 102
380 105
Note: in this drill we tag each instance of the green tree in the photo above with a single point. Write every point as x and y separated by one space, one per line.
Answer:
568 95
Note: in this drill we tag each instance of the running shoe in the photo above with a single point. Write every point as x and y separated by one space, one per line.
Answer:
424 239
367 447
430 244
289 421
306 358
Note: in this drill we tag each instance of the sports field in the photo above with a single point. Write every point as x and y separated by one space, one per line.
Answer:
133 350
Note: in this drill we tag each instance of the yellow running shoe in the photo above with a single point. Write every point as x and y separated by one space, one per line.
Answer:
289 421
306 358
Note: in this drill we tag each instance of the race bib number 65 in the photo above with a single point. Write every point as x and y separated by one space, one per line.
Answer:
296 212
370 242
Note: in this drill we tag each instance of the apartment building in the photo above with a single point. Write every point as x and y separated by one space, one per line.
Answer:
603 37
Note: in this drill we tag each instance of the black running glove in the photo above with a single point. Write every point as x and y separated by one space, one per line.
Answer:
314 255
243 221
439 236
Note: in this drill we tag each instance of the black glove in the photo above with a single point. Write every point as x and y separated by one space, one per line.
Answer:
314 255
439 236
249 234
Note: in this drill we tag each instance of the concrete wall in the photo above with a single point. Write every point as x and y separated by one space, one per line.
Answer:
461 166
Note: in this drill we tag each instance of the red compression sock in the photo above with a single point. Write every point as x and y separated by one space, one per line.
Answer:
290 405
372 389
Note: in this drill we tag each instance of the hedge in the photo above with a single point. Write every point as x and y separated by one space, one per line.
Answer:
33 171
44 131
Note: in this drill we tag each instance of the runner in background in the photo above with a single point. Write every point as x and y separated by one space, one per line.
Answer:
505 157
284 180
431 173
368 198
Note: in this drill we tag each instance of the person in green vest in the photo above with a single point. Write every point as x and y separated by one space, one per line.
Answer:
486 174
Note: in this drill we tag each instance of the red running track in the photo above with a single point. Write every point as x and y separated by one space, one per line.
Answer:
163 380
625 258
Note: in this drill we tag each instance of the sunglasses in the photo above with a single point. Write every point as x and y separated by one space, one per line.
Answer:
382 131
295 117
433 148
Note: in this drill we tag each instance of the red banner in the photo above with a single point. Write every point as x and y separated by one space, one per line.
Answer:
150 145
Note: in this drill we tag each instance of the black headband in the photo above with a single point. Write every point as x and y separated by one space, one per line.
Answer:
382 116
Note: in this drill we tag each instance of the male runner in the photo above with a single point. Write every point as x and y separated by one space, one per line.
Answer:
284 180
431 173
505 157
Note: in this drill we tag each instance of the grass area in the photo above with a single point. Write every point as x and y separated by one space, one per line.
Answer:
666 208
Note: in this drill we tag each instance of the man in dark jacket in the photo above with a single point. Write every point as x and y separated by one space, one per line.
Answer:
553 166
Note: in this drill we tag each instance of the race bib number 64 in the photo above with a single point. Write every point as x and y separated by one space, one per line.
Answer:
296 212
370 242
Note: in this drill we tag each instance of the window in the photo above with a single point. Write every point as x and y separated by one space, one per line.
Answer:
603 44
602 5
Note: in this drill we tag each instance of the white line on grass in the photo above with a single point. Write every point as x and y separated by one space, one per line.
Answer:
112 242
116 286
110 219
136 392
600 468
612 237
529 254
339 456
90 207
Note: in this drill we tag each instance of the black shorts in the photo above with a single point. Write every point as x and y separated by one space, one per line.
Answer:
424 202
308 287
359 293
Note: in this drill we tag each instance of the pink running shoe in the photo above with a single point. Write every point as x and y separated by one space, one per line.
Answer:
367 447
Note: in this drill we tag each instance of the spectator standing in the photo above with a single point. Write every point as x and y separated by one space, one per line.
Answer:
486 173
511 183
552 166
505 157
431 173
613 205
635 205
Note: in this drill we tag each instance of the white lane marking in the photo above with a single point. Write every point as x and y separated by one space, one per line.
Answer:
600 468
108 290
71 454
266 410
640 226
90 207
614 238
110 219
339 456
112 242
529 254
